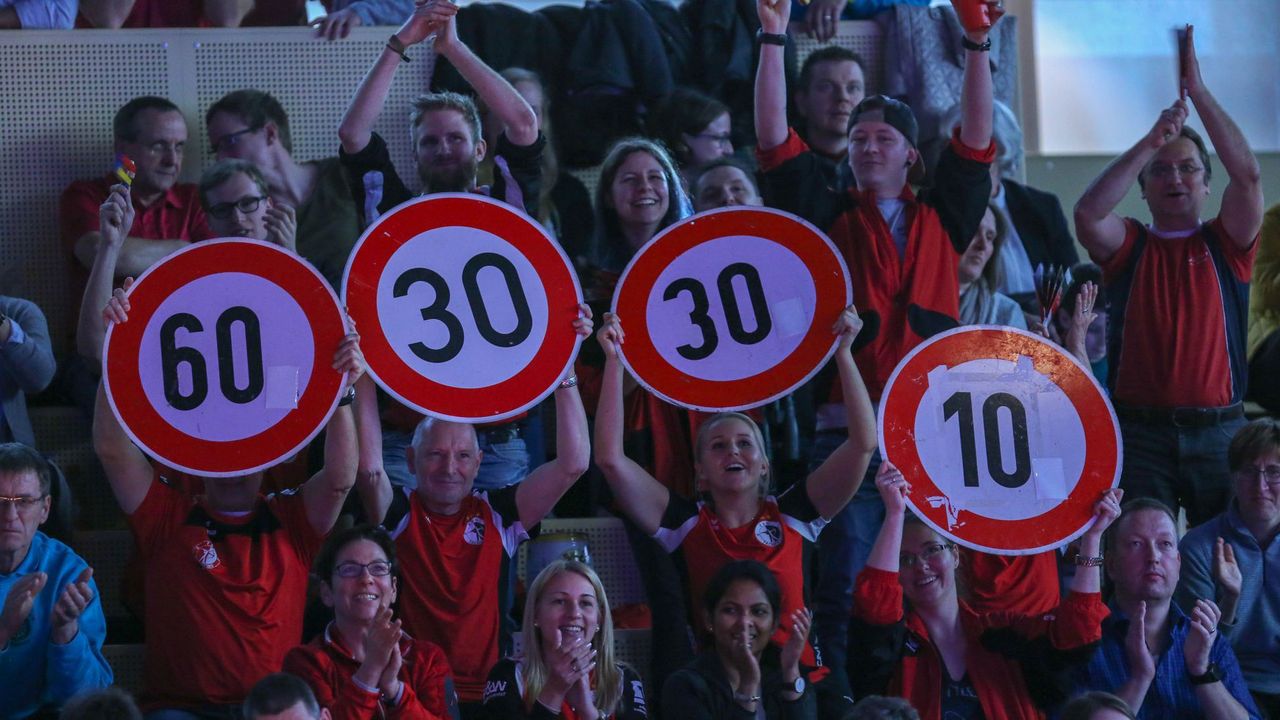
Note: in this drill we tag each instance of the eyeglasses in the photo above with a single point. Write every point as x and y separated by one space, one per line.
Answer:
725 140
21 503
1162 171
377 568
228 141
1269 474
930 553
246 205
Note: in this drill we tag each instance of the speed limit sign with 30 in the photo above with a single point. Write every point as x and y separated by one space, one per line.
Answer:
223 367
1006 439
465 306
732 308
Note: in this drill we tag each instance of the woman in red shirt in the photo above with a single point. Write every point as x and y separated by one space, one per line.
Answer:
941 655
363 665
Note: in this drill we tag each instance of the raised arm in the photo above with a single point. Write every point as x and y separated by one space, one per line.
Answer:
126 467
326 491
834 482
115 217
357 124
372 482
539 492
1089 579
771 77
893 489
1098 227
636 492
508 106
1242 207
975 94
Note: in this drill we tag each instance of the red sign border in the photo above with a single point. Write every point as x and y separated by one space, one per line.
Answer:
213 458
651 370
408 220
996 342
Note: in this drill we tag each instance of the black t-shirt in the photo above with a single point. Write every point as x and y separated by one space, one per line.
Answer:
960 699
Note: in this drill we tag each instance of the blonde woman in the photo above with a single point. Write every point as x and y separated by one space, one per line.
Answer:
568 667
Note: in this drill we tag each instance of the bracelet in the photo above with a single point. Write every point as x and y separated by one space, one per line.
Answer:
1083 561
397 47
967 44
569 382
349 397
765 38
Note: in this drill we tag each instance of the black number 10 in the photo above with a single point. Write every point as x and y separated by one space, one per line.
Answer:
961 404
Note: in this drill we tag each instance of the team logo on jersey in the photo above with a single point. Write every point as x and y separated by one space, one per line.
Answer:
474 532
494 688
207 555
769 533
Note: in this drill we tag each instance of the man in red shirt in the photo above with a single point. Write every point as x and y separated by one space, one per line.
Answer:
1179 291
152 132
902 251
454 543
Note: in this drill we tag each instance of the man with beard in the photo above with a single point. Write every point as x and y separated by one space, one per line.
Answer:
445 126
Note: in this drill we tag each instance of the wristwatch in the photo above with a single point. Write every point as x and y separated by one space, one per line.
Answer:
1208 677
798 685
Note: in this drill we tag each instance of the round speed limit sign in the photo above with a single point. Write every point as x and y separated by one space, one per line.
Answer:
732 308
223 367
465 307
1007 440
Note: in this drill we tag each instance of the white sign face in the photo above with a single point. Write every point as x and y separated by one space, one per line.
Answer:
474 318
732 308
465 307
223 366
1006 439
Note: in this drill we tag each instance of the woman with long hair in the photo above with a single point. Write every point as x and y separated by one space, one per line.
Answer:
738 516
363 665
741 673
947 659
568 666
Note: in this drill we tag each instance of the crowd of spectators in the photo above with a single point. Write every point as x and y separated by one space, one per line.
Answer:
785 574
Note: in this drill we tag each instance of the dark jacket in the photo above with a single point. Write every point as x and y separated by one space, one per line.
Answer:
701 691
1041 224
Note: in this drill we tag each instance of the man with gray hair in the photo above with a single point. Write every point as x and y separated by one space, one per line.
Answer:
51 625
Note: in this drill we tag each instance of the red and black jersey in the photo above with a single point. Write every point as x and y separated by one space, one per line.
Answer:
450 568
224 594
1177 333
777 537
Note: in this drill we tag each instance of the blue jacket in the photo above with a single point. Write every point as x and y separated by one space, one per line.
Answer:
33 671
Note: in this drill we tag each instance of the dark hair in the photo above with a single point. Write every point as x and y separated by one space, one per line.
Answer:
1198 141
17 458
992 271
684 112
125 127
1084 706
877 707
751 570
609 250
1131 508
1082 273
729 161
111 703
224 170
830 53
327 559
1252 441
256 108
278 692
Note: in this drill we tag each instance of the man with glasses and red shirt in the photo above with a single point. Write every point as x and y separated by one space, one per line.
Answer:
1179 293
1234 559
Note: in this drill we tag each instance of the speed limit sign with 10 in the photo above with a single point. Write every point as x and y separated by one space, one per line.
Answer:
732 308
223 367
465 306
1007 440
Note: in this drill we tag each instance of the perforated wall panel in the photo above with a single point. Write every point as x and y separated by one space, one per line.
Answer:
861 36
61 90
610 555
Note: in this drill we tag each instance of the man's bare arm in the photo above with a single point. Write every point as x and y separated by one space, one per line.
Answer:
771 78
508 106
136 254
